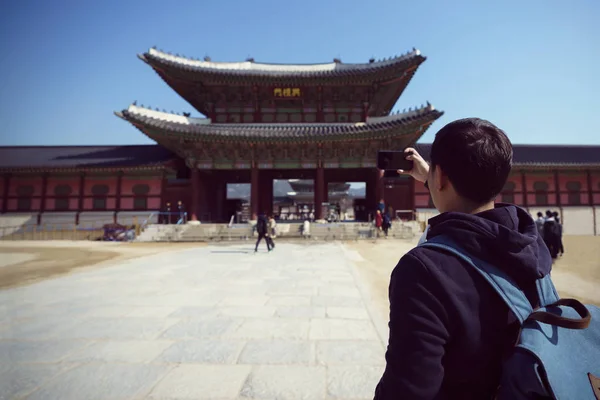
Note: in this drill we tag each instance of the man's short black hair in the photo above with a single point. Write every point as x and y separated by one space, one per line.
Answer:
476 156
539 214
548 213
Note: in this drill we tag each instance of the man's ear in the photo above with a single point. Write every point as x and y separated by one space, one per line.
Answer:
441 179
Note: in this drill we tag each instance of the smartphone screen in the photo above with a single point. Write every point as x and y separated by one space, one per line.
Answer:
393 160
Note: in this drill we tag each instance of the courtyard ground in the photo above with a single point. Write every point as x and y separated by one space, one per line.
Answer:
576 274
89 320
214 322
26 262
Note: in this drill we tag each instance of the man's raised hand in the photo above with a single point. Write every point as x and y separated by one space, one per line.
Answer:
420 168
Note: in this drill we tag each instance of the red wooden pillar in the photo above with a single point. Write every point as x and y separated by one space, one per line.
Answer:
44 196
195 175
118 194
5 194
591 198
80 199
379 185
319 191
254 192
557 188
266 193
524 188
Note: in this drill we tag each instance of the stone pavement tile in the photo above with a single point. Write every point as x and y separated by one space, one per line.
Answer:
336 301
202 382
194 312
102 381
151 312
280 328
340 290
351 382
258 300
38 329
326 329
106 312
205 328
289 301
119 328
300 312
50 351
285 290
246 311
276 352
203 351
347 312
350 352
18 380
128 351
285 382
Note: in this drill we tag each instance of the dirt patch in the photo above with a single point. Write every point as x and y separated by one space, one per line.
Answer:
576 274
52 259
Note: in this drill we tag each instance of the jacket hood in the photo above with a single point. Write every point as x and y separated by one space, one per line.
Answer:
506 237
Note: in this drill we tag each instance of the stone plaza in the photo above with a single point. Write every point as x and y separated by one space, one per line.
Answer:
213 322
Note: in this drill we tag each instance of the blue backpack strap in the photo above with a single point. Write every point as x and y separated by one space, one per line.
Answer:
514 297
546 291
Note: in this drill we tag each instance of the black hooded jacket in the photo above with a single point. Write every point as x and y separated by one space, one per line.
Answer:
448 327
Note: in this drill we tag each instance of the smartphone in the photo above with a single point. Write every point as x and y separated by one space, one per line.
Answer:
393 160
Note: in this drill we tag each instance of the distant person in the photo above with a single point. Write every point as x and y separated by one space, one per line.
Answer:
272 231
448 327
552 234
561 249
182 214
381 206
539 223
386 223
262 228
306 229
378 221
167 218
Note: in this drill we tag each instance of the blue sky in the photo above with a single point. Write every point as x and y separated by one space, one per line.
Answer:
532 67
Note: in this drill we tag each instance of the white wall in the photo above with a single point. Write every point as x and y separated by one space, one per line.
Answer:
64 220
578 220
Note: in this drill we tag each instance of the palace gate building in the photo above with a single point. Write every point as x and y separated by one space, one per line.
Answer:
261 122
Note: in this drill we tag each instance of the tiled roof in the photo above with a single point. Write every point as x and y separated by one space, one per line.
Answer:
544 155
83 157
254 69
193 128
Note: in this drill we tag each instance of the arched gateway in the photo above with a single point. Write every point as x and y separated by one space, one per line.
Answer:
323 122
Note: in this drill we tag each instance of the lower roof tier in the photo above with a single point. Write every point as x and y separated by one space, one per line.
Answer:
160 125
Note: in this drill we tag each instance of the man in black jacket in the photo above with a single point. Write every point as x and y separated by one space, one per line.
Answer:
448 328
262 228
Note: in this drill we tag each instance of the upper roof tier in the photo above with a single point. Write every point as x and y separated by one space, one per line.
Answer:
252 70
202 83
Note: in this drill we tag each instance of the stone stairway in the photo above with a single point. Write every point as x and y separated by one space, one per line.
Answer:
237 232
162 233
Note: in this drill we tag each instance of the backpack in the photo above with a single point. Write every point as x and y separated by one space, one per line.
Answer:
261 225
552 228
557 355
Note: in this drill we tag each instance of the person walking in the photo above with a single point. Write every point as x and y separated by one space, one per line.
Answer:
539 223
272 231
561 248
378 221
262 228
386 224
551 234
182 214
